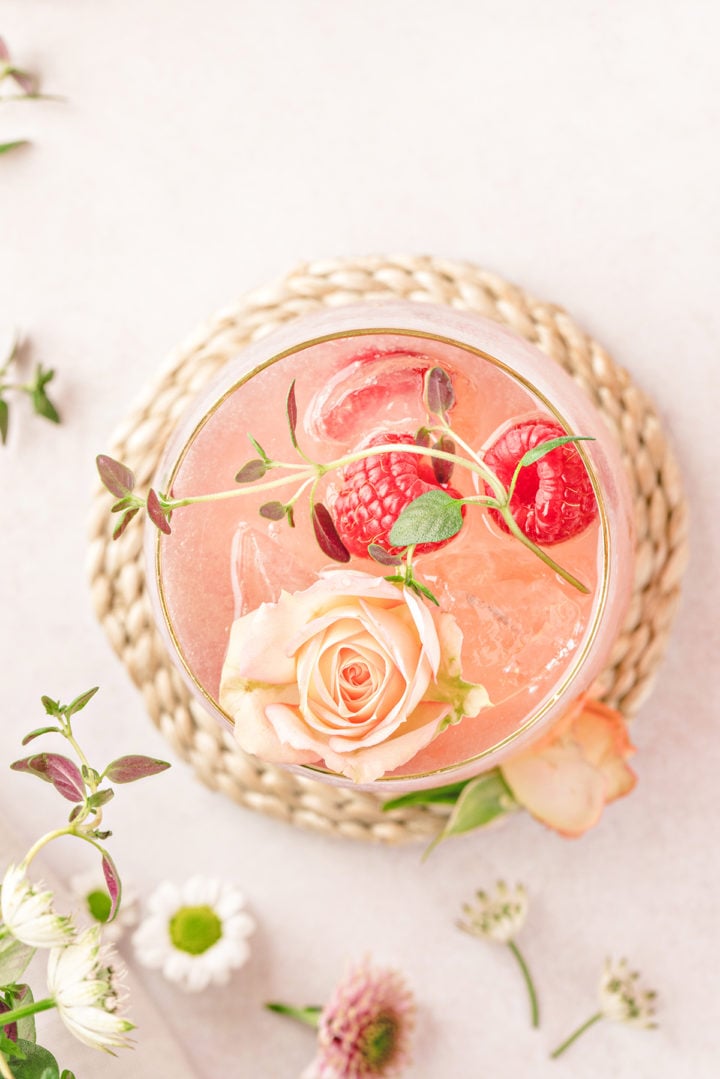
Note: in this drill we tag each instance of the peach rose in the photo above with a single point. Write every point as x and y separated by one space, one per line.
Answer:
352 671
566 778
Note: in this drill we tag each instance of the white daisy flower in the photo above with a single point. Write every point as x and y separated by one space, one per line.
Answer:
27 912
499 916
90 890
196 934
622 999
83 980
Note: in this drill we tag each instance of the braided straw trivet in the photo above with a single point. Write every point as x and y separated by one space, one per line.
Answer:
117 573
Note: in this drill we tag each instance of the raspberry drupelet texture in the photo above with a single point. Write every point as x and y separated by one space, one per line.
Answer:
553 498
375 491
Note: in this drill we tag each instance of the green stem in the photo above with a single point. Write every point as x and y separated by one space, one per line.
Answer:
575 1035
520 535
218 496
534 1008
310 1015
26 1009
44 840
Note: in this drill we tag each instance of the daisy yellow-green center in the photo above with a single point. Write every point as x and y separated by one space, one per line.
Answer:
379 1040
99 904
195 929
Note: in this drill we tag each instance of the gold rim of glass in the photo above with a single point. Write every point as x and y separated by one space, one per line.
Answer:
601 602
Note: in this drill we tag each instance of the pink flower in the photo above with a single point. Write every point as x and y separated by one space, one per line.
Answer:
569 776
351 671
364 1030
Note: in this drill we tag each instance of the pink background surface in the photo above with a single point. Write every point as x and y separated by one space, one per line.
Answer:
206 148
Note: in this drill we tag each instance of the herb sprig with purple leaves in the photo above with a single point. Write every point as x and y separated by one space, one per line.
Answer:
433 517
35 389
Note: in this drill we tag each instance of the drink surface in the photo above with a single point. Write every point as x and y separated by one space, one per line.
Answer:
524 628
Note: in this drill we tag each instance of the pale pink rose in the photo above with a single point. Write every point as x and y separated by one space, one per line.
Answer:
569 776
351 671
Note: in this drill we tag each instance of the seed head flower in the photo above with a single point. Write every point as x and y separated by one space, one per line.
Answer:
622 999
364 1030
84 982
27 911
196 934
498 916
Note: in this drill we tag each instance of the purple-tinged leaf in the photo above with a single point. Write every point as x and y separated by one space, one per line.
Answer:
422 436
385 558
37 732
10 1029
79 703
326 534
292 414
156 513
290 514
123 504
273 511
4 52
75 813
439 393
112 879
25 765
251 471
117 477
27 83
128 769
63 773
443 470
124 522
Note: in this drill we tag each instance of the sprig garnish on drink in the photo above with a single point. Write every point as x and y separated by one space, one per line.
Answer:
395 502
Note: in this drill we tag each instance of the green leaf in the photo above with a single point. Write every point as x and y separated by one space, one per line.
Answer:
67 1074
542 448
432 517
14 959
100 798
4 420
6 147
481 801
39 1063
51 707
90 775
434 796
79 703
26 1027
260 451
422 590
44 407
9 1047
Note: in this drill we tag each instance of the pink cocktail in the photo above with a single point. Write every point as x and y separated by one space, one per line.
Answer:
530 637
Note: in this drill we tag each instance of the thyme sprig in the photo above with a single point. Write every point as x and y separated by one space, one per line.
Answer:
433 517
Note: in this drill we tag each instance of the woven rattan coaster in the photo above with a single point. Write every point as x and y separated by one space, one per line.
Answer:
117 572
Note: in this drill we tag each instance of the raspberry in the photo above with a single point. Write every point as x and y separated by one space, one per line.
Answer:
553 499
375 491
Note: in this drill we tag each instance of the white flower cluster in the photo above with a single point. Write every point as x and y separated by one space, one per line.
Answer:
498 916
82 978
622 999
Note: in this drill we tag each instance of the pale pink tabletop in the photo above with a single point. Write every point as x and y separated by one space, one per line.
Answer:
206 148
